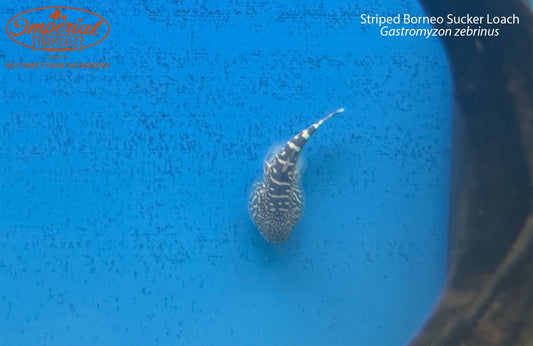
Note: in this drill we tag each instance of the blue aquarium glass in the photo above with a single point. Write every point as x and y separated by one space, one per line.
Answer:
124 190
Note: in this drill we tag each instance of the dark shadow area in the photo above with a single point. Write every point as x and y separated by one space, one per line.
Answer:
488 298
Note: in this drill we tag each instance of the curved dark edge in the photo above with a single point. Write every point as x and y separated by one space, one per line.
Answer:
488 298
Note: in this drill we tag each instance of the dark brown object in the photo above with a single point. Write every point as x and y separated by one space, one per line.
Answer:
489 294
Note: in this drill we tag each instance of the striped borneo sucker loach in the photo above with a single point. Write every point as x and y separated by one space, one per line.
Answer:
276 203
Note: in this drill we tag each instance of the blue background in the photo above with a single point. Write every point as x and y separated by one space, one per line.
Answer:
123 191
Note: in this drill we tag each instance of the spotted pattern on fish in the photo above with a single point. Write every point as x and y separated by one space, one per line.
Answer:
276 203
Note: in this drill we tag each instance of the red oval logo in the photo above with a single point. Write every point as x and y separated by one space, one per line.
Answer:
57 29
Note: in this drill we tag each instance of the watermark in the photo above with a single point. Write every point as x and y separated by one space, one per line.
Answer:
57 29
57 65
468 25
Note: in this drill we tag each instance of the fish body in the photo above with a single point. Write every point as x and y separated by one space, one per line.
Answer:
276 203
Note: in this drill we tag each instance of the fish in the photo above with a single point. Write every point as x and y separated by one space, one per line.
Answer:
57 14
276 202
